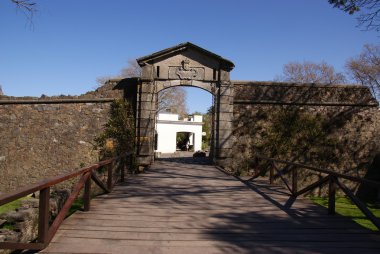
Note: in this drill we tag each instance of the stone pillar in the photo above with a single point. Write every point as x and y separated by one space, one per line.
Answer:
145 122
224 120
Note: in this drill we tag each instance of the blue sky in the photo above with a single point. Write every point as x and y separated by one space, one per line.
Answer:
72 42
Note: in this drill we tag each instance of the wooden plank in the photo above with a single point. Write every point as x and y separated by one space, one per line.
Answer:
72 245
21 246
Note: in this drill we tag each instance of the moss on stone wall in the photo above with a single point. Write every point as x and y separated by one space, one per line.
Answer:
342 138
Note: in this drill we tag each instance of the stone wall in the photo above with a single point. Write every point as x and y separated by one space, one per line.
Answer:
349 117
44 140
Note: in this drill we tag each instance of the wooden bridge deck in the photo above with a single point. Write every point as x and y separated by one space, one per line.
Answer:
187 208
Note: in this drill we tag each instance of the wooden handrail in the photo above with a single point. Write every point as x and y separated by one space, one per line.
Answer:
46 232
326 171
332 179
11 196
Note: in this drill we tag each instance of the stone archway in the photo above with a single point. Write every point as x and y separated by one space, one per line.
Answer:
184 65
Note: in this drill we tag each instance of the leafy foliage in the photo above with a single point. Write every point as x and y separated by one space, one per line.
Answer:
118 136
295 134
207 127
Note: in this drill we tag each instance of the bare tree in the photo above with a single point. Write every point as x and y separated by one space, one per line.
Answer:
369 10
365 68
132 70
173 100
1 91
28 7
309 72
169 100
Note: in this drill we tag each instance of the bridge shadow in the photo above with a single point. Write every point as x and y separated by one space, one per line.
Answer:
187 160
255 232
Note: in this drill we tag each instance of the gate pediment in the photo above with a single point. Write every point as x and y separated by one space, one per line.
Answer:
185 61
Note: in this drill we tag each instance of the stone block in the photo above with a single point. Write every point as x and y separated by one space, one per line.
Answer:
224 134
226 108
146 133
226 99
145 149
147 114
147 105
147 72
148 87
226 116
227 143
146 123
223 153
144 160
148 97
225 75
225 91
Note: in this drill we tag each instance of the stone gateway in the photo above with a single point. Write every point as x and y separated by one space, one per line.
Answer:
183 65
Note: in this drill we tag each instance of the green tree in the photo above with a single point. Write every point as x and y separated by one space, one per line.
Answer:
118 137
207 127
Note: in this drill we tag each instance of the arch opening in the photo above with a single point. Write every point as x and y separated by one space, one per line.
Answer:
184 124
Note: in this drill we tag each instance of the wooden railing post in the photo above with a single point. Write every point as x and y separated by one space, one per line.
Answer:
43 216
294 180
131 161
87 195
271 173
109 178
122 169
332 190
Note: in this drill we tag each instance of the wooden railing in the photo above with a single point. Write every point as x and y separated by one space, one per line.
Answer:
333 179
46 232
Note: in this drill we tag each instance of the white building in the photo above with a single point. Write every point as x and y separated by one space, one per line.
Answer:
168 125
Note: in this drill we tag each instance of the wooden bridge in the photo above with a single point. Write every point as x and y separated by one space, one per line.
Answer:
189 208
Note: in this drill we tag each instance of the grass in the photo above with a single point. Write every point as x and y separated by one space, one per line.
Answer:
11 206
345 207
76 206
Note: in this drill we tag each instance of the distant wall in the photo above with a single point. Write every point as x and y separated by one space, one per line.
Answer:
43 140
350 115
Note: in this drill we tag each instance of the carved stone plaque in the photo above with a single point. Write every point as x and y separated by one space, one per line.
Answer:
185 72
